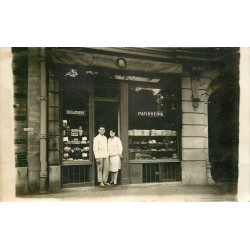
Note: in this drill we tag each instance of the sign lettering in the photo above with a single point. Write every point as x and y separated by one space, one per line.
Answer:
76 112
151 113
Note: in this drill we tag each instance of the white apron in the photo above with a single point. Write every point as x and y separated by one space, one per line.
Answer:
114 163
114 148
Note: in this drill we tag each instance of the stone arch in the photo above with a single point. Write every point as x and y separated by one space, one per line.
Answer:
217 84
210 90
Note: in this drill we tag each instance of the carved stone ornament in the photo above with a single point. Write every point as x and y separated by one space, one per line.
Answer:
195 91
121 63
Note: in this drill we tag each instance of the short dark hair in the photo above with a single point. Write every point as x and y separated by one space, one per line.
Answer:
101 126
113 130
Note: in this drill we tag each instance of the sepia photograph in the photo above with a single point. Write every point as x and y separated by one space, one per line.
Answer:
126 123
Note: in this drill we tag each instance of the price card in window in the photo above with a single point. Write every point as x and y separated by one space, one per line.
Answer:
84 138
84 155
65 138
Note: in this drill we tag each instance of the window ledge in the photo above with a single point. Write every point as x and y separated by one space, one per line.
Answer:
74 163
154 161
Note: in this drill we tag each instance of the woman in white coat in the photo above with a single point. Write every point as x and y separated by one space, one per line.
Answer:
115 155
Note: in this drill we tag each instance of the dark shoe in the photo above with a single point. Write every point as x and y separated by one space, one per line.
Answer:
111 183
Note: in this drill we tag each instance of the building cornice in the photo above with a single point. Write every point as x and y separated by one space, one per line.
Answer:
211 54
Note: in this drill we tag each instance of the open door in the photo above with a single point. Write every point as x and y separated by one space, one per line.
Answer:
107 114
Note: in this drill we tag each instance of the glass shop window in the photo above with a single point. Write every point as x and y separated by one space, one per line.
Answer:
153 121
75 120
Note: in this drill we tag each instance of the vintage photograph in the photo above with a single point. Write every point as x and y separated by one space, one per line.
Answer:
126 123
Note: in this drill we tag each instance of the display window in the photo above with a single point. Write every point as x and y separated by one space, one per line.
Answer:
153 121
75 120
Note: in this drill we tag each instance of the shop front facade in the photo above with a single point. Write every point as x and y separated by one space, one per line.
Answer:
156 99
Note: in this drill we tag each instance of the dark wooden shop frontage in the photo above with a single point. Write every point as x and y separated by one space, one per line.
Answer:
160 101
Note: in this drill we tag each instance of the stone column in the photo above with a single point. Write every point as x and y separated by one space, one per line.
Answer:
43 124
193 137
33 114
124 133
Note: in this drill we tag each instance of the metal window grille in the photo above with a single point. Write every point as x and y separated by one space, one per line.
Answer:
161 172
75 174
151 172
171 172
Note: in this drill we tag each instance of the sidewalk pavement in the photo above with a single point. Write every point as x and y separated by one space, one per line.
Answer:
150 192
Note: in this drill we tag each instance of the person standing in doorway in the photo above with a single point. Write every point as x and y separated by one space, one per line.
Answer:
115 155
100 148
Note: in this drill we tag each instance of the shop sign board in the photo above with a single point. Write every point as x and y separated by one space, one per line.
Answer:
76 112
113 62
151 113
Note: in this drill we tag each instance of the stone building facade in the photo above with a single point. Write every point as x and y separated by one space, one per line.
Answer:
175 110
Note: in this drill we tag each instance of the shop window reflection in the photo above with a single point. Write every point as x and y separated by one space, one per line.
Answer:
153 122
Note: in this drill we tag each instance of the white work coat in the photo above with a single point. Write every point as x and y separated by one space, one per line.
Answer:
100 146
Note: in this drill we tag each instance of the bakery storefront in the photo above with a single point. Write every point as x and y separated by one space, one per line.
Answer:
158 107
139 98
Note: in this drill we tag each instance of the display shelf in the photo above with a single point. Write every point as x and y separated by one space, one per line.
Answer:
159 151
154 161
148 144
75 144
74 163
150 150
153 147
152 135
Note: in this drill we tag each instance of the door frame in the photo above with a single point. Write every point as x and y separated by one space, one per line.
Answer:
93 100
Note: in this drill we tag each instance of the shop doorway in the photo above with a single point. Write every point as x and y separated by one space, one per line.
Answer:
107 114
223 124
